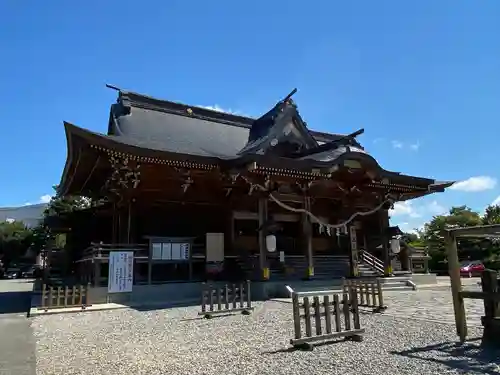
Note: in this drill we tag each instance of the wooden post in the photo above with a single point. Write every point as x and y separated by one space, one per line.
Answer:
150 263
384 225
307 238
456 285
491 318
262 238
97 272
353 254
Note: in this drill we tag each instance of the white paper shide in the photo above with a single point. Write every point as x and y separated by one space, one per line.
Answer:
121 271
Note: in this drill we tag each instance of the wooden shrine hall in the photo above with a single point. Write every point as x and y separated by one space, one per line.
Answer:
199 194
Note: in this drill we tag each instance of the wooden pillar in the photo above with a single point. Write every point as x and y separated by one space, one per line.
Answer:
262 238
307 238
456 285
353 253
114 224
97 272
384 226
229 233
124 218
150 263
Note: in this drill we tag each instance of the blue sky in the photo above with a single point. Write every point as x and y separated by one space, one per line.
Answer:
420 77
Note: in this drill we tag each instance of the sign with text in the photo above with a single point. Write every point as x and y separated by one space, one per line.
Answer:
121 271
170 251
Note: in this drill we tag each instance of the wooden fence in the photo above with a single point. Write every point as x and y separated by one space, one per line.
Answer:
65 296
225 299
324 318
369 293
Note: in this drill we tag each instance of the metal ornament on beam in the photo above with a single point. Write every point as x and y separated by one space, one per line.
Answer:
125 176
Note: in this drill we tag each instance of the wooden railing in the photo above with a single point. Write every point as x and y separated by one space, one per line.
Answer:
59 297
102 250
371 261
323 317
224 299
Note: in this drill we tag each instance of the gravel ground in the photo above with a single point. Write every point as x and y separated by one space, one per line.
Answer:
433 305
176 341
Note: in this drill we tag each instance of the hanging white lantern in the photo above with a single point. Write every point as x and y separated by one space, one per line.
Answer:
271 243
395 246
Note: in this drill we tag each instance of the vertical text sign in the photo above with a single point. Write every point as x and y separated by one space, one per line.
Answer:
121 271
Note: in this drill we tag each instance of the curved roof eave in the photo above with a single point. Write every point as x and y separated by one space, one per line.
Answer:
63 184
127 145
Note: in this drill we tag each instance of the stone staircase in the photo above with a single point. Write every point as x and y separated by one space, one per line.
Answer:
372 267
397 283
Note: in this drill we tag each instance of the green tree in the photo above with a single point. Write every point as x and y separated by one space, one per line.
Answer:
433 239
15 240
56 209
492 215
59 206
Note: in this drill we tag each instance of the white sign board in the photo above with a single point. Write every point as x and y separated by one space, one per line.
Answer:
121 271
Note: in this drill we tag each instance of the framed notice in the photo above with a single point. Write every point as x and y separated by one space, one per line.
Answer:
121 271
166 251
157 250
176 251
185 251
170 250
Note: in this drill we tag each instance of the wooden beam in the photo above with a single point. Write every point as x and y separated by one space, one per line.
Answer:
480 230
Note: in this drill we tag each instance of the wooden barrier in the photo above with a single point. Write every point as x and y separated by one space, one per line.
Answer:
490 295
340 308
226 299
369 293
64 296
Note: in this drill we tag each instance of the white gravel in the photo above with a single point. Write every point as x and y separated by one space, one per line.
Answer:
175 341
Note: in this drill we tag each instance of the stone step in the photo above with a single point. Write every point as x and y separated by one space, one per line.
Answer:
399 288
401 279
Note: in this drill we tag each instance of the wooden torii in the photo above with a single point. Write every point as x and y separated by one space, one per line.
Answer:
490 294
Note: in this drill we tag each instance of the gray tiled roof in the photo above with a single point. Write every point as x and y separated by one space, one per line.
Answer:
150 123
180 134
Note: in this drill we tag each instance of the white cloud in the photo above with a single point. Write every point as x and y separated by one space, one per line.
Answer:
410 228
217 108
45 198
475 184
397 144
435 208
496 202
405 145
415 146
404 208
410 210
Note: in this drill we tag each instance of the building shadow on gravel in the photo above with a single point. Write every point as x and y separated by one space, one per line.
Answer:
15 302
467 357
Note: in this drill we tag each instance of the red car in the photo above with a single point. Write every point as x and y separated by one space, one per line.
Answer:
471 268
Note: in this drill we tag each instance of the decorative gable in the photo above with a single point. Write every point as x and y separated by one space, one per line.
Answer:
280 132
